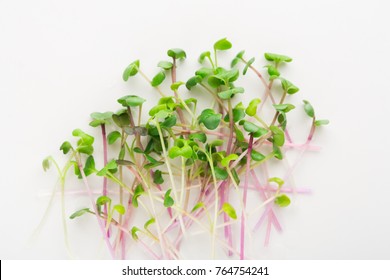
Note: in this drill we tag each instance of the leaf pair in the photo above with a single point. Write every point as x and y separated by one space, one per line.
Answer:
182 148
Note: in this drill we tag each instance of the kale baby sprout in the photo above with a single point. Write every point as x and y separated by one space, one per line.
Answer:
178 168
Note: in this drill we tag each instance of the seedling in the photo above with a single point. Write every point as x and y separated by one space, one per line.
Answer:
187 167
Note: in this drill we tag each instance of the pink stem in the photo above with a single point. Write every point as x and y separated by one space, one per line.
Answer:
262 217
150 251
283 190
105 160
248 164
264 197
268 234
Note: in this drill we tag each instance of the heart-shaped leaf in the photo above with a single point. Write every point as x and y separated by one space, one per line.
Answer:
210 119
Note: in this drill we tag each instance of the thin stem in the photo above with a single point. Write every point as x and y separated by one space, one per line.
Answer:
248 161
105 160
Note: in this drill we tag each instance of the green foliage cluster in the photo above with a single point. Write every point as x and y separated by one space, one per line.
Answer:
184 159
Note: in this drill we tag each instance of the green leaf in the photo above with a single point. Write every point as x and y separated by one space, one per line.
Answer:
121 119
168 200
235 176
111 165
229 210
308 109
158 108
289 87
46 163
277 57
203 55
239 135
197 206
276 180
101 200
134 231
247 65
149 222
277 152
321 122
166 65
193 81
282 119
177 53
240 54
85 139
158 79
80 213
170 121
251 110
226 161
220 174
131 70
131 101
278 135
163 114
120 209
234 62
76 169
238 113
157 177
185 151
113 136
65 147
227 94
210 119
123 162
89 167
150 158
223 77
85 149
282 200
100 118
138 150
204 72
250 127
175 86
153 164
222 45
283 107
256 156
216 143
272 71
137 193
96 123
199 136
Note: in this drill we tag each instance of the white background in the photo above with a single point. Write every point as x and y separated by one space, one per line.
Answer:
61 60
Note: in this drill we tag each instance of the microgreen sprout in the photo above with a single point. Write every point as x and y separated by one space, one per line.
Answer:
186 165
